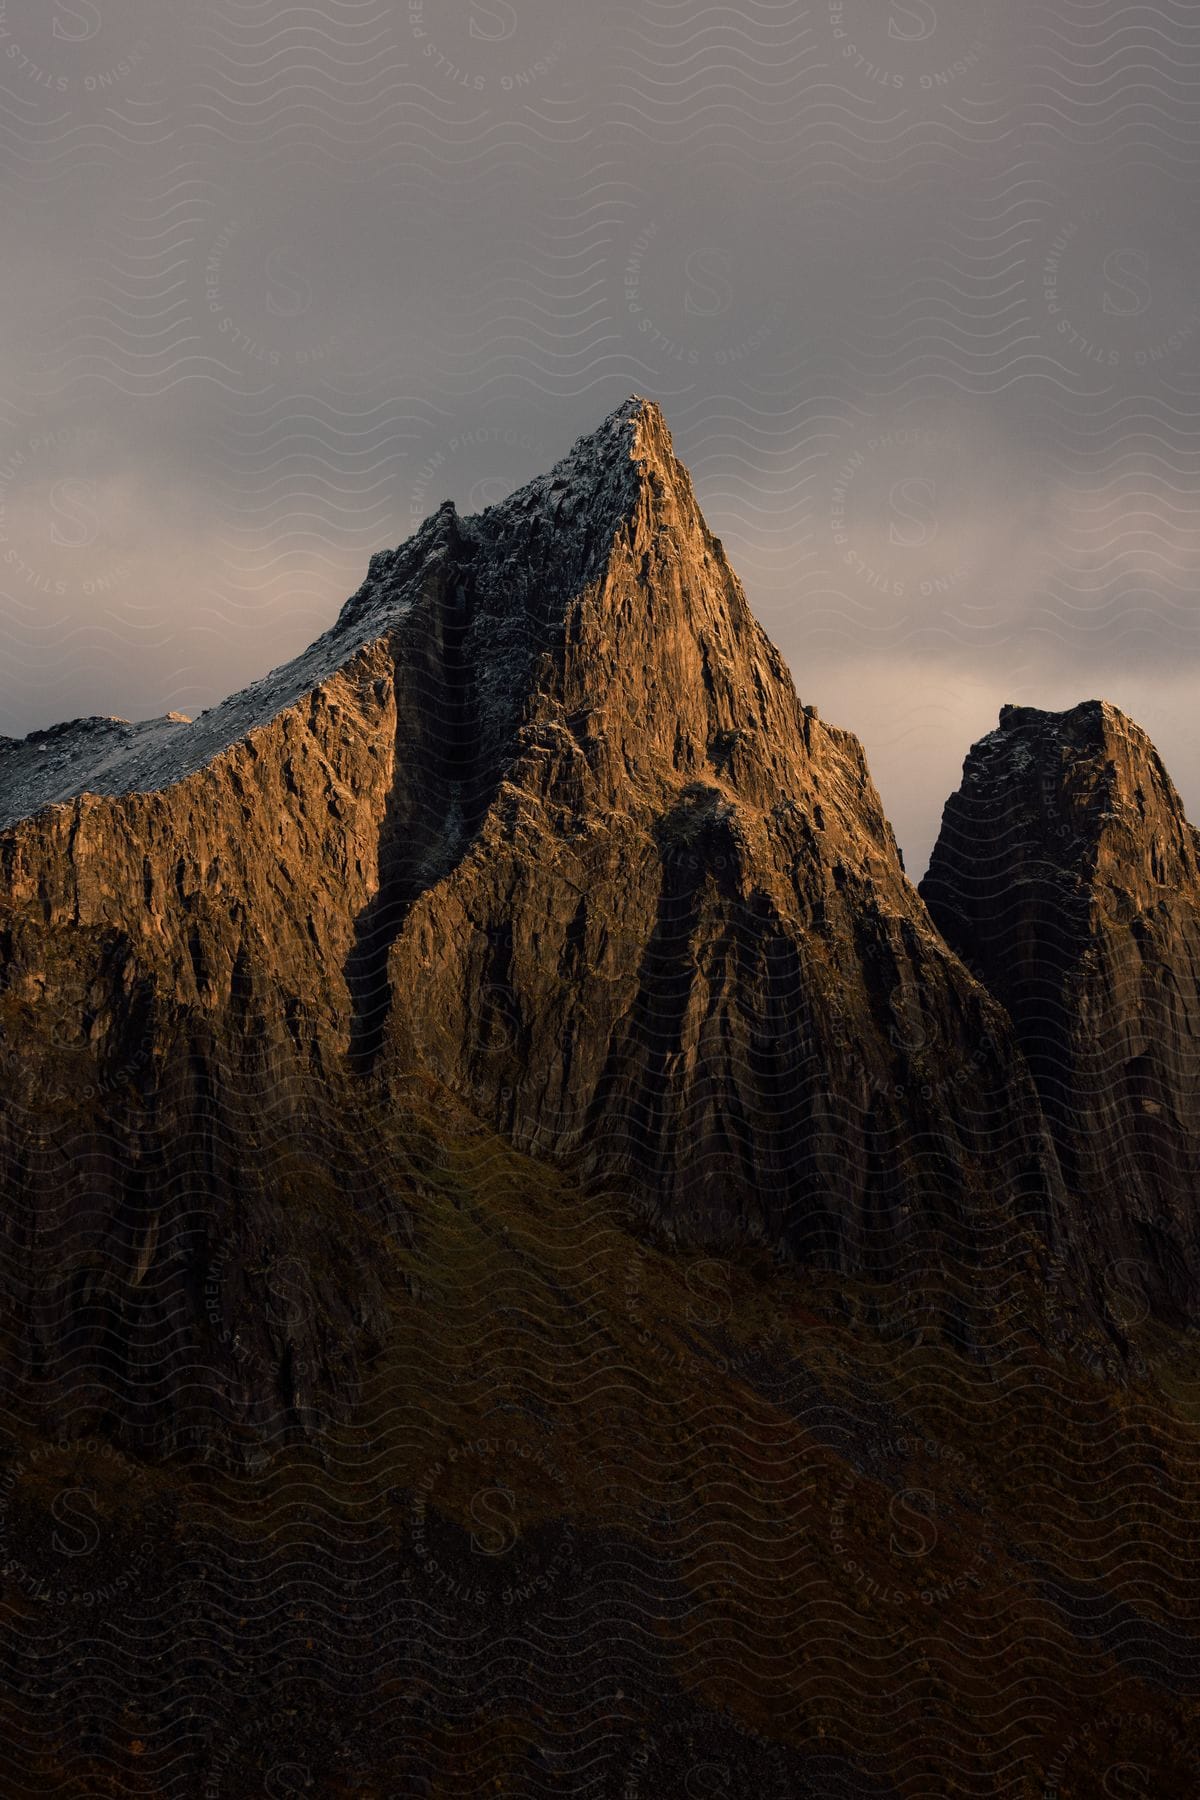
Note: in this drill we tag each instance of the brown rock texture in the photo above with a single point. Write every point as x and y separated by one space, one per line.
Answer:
1068 878
677 939
540 820
350 1447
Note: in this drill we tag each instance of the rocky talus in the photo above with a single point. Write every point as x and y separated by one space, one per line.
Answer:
1068 879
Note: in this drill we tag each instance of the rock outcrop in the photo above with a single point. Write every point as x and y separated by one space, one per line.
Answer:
346 1446
541 820
1068 879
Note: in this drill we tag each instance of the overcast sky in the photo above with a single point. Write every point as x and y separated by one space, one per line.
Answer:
917 285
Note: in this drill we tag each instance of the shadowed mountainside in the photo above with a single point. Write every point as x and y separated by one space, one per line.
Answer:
529 1264
1068 879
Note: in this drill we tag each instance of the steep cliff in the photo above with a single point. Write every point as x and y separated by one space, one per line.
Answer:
540 819
1068 878
725 1441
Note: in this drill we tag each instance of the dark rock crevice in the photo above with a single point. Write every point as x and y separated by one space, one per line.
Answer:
439 794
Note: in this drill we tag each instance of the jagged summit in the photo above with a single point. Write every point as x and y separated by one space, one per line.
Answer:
542 819
1068 878
1015 714
576 508
1072 782
1080 723
597 469
581 503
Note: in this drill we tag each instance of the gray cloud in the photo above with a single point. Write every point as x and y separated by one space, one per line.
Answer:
917 284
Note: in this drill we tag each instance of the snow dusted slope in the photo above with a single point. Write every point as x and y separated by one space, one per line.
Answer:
580 502
540 819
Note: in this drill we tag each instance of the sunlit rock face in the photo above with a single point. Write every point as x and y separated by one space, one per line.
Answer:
541 821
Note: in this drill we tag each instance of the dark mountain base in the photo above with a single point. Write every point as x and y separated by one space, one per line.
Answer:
601 1518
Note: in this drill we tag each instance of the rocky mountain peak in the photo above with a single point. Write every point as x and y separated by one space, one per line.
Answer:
1068 878
580 504
772 1339
541 820
509 572
1093 779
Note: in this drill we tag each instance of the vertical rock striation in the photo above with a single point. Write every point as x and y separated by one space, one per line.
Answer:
678 940
1068 879
540 820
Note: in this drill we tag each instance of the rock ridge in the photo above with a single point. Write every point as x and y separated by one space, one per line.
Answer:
540 824
1068 878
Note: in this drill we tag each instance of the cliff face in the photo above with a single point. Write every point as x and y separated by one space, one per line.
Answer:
490 1488
1068 878
183 1159
542 821
673 934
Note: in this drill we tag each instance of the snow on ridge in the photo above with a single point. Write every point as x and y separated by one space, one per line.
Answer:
588 469
113 757
587 489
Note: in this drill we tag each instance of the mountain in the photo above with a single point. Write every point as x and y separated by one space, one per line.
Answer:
529 1266
540 820
1068 879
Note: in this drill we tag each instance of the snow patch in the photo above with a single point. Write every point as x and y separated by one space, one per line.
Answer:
562 522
